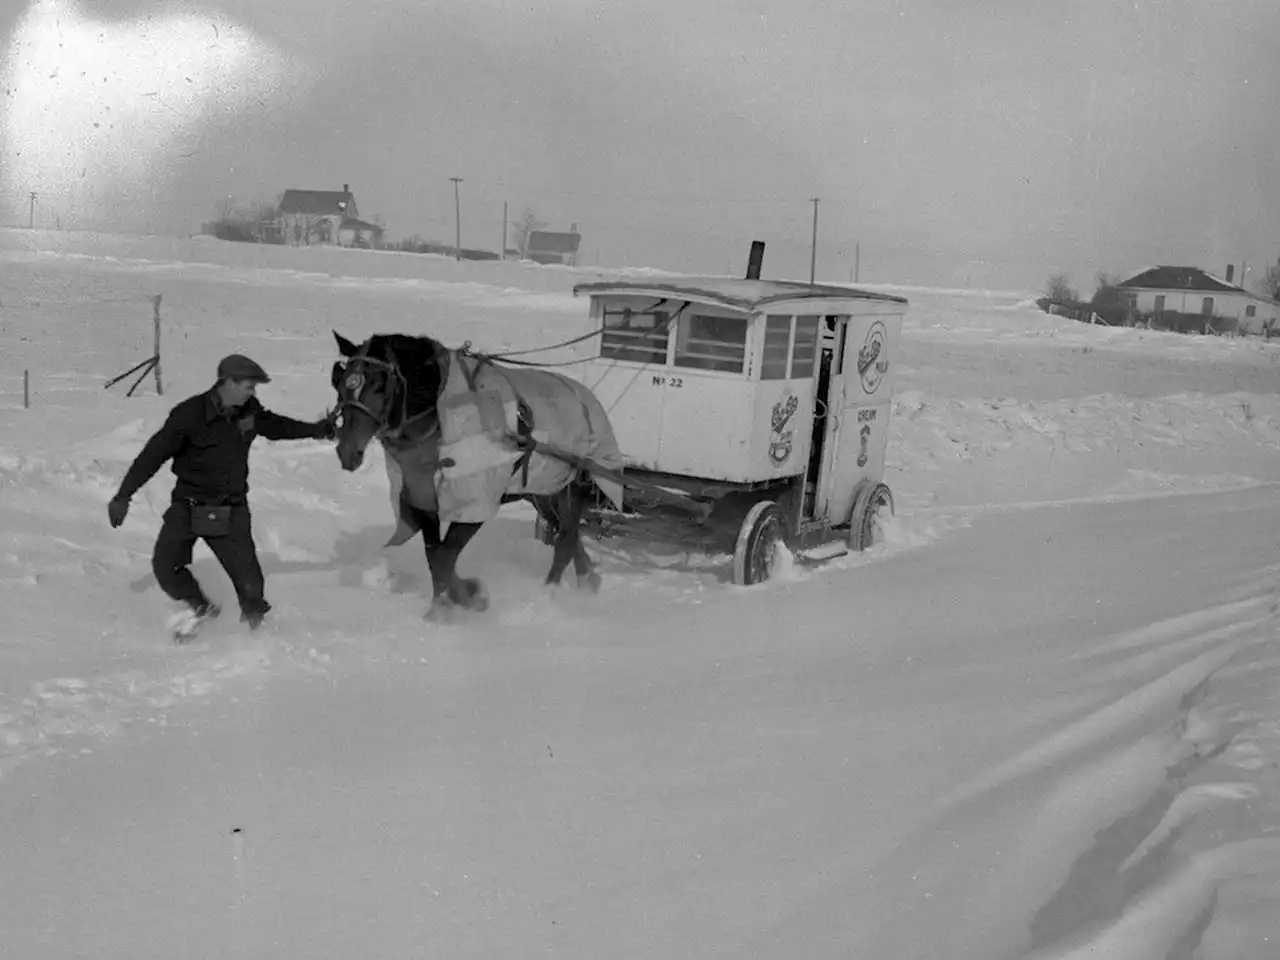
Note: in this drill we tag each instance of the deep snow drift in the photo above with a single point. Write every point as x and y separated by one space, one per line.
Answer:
1039 721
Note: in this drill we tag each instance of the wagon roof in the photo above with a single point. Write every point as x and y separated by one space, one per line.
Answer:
749 295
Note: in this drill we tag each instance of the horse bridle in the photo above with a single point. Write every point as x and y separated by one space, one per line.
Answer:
354 382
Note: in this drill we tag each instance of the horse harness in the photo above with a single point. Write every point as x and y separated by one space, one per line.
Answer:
354 382
523 436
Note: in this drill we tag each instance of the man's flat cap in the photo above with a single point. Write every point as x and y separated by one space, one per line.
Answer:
239 367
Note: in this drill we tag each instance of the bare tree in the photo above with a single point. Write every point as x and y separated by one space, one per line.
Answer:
527 223
264 210
1059 289
1269 284
243 222
1105 283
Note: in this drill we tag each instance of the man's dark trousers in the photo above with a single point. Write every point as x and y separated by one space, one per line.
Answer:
235 551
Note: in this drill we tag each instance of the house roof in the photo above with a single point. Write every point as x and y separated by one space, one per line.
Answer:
549 241
1180 278
320 203
352 223
748 295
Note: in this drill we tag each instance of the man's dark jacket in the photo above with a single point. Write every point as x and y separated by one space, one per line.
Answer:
210 448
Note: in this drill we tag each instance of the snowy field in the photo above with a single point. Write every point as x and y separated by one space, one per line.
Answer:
1041 720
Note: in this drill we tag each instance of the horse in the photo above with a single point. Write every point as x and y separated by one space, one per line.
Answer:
461 436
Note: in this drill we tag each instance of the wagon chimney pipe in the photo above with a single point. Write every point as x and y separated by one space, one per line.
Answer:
755 260
1230 270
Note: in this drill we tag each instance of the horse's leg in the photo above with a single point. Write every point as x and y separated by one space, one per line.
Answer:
567 506
551 507
442 559
583 565
466 592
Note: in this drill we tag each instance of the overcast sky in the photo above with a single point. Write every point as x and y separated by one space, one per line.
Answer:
987 142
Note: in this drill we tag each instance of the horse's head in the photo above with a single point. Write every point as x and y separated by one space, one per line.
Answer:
382 384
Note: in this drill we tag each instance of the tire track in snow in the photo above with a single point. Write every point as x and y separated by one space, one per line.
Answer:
1076 843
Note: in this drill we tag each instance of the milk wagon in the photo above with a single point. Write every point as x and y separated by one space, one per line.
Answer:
749 412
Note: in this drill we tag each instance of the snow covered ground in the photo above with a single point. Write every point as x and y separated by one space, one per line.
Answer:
1040 721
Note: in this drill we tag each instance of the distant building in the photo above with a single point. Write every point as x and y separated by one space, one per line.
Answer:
548 246
1185 298
307 217
359 233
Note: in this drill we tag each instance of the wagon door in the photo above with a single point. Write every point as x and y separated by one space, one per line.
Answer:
629 376
706 402
861 394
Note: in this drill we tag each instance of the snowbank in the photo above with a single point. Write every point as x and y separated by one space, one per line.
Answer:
1038 720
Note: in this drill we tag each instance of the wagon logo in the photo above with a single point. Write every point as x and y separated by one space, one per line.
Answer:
780 436
872 362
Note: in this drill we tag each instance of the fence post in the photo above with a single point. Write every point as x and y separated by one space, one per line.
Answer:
156 306
26 389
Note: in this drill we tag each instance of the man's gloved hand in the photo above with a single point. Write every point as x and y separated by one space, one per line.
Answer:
327 426
116 510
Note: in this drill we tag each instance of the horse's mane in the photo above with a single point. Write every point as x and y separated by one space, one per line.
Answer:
418 359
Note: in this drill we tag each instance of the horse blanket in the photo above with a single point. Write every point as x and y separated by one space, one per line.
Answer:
463 473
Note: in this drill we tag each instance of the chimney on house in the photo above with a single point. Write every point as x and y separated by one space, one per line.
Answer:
573 228
346 188
1231 268
755 260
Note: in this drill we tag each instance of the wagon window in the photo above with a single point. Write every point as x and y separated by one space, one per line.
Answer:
640 337
712 343
777 345
806 347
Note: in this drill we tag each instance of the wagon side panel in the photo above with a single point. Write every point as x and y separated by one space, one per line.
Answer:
634 404
783 427
707 429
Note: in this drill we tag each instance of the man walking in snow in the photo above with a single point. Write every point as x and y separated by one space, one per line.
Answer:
208 437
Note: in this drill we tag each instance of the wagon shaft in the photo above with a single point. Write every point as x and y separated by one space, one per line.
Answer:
682 501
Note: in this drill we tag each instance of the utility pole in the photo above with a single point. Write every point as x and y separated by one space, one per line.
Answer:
857 261
457 218
813 249
504 229
31 223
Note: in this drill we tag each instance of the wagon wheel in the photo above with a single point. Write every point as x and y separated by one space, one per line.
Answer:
867 510
758 538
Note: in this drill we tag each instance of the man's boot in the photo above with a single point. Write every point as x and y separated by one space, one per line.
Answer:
186 623
255 614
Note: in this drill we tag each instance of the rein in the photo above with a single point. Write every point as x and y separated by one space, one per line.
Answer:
509 355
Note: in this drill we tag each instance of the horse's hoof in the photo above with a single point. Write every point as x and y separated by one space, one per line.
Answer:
443 611
589 581
470 594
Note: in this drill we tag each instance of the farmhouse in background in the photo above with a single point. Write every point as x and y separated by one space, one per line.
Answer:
1188 298
307 217
548 246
